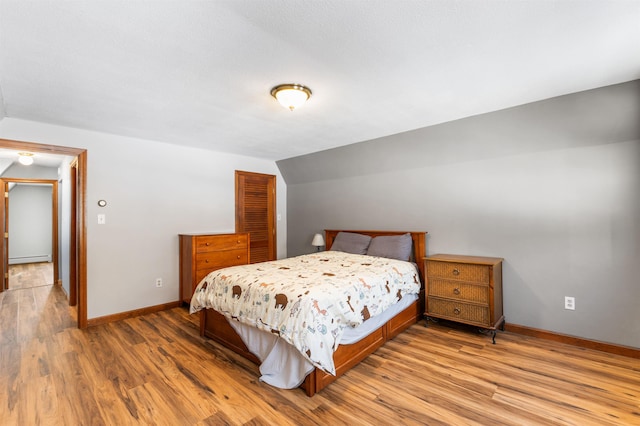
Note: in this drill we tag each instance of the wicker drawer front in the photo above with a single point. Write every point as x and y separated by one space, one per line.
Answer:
459 311
458 271
220 242
218 259
458 290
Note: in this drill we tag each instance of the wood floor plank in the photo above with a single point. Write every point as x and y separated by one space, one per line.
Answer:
156 369
8 324
73 391
114 403
155 408
40 404
8 403
541 380
592 381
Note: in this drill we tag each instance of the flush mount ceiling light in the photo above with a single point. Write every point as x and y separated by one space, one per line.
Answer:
291 96
25 158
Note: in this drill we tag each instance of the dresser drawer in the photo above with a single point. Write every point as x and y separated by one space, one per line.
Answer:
220 242
458 271
459 311
201 273
217 259
478 293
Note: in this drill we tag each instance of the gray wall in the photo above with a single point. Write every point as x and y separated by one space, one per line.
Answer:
552 187
30 225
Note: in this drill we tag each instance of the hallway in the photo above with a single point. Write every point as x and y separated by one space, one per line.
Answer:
28 275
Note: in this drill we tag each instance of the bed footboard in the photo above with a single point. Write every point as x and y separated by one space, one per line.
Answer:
215 326
348 356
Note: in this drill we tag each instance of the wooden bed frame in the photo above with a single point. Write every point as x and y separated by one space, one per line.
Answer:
215 326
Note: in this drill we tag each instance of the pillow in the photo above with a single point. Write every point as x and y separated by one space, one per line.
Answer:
391 246
349 242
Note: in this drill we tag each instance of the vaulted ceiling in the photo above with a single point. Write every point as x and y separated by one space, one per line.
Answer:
199 73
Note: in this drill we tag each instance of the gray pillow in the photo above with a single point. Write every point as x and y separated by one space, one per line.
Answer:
349 242
391 246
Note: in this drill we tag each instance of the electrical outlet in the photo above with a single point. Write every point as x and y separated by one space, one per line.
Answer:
158 282
570 303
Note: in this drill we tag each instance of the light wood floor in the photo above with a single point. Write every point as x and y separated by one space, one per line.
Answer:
155 369
27 275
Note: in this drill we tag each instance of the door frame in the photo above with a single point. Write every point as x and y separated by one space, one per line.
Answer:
78 226
54 222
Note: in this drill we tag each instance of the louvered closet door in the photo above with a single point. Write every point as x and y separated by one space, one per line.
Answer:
256 213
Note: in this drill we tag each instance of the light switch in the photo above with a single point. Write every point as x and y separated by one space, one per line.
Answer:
102 219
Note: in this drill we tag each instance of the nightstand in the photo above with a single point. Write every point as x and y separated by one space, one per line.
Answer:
465 289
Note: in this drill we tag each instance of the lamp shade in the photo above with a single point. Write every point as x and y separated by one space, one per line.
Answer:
318 241
291 96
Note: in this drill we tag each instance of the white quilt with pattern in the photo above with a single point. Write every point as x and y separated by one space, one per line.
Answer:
308 300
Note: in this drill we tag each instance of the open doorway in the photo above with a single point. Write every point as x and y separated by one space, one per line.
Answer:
31 218
77 258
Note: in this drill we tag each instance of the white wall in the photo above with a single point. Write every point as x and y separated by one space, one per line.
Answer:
19 171
154 192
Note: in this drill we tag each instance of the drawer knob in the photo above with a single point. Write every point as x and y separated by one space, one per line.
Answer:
206 244
206 261
238 241
456 272
456 311
238 257
456 290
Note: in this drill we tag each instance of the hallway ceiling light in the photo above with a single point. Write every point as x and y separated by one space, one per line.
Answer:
25 158
291 96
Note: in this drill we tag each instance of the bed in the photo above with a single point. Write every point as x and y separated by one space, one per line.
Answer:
308 359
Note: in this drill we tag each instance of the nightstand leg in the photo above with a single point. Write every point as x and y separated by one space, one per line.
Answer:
493 337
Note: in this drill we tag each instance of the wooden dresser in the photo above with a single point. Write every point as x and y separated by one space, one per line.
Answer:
466 289
203 253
